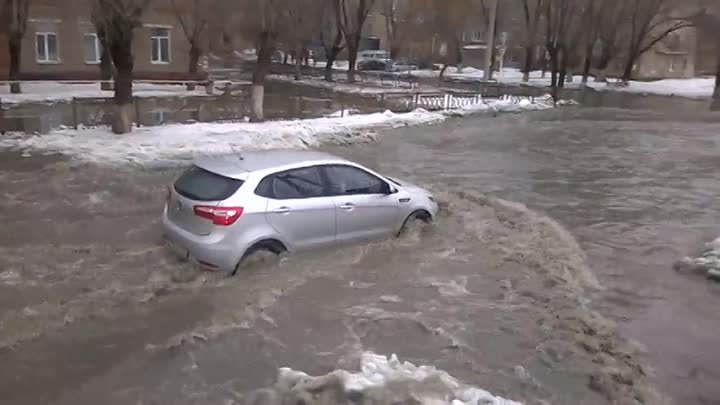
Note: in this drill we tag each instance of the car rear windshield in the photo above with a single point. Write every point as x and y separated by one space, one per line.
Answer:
199 184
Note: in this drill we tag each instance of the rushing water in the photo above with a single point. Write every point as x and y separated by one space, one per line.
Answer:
638 188
94 309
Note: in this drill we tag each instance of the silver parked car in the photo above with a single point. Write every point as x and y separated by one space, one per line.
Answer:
224 209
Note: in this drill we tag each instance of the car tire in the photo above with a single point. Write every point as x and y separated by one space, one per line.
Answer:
261 253
414 221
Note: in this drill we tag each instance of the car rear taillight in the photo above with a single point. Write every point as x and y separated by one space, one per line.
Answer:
168 194
223 216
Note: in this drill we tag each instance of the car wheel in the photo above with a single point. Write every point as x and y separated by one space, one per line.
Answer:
415 222
261 254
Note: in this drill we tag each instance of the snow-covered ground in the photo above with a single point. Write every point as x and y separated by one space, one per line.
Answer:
179 142
59 91
387 381
701 87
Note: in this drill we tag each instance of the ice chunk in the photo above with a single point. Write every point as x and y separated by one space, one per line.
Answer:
389 380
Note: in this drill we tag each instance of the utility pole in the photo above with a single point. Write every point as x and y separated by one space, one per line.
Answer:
490 38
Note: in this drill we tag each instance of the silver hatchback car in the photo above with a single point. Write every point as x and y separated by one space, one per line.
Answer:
224 209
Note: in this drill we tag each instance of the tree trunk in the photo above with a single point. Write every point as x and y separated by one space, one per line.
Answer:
298 61
330 60
352 47
586 69
195 54
306 56
394 50
442 71
15 45
563 62
716 93
528 63
553 73
262 67
629 64
258 98
601 76
123 58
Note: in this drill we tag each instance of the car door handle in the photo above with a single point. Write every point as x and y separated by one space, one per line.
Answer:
348 206
282 210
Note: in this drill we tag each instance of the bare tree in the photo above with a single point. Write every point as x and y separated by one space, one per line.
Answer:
649 21
448 22
301 20
15 13
331 34
391 12
532 10
353 15
107 68
117 20
559 43
261 21
706 17
609 35
193 18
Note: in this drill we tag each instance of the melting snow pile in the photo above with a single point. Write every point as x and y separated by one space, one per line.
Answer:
381 381
510 104
706 263
177 142
182 142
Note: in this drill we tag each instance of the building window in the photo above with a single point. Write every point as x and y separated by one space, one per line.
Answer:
160 38
92 48
46 47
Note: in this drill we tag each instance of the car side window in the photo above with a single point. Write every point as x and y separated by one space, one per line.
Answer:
292 184
349 180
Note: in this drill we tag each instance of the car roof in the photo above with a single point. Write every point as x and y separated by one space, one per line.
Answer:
239 165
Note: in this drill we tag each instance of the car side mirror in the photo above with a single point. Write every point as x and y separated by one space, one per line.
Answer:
390 189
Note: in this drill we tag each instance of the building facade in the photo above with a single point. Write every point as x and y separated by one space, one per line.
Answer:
61 44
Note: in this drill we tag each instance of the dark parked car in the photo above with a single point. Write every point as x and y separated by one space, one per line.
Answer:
372 64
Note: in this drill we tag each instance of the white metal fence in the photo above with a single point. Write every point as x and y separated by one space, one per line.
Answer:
445 101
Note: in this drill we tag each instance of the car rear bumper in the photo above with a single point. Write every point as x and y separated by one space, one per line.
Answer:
207 251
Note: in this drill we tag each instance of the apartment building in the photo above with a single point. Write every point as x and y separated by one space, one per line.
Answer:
61 44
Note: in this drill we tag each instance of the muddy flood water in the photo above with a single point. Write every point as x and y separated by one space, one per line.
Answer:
94 309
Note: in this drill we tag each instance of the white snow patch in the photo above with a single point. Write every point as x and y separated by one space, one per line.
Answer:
400 382
178 142
509 104
699 87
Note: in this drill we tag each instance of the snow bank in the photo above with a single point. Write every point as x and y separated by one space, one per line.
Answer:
384 381
510 104
58 91
181 142
701 87
177 142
